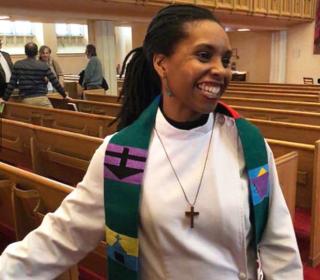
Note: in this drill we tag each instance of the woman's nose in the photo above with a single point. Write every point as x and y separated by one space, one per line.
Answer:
219 69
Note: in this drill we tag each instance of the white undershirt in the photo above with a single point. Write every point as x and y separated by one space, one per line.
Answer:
5 67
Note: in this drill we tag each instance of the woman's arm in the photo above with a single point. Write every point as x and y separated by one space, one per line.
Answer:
279 252
65 236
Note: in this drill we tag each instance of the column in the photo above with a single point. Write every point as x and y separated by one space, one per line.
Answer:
102 35
278 57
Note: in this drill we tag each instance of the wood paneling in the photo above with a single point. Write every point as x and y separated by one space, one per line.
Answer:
225 4
260 6
308 8
285 9
274 7
297 8
242 5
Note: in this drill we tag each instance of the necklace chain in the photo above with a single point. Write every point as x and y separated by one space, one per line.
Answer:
175 173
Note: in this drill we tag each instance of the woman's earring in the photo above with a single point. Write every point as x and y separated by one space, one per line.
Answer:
168 91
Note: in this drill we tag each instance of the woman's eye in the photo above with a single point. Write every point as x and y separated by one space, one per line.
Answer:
225 61
204 56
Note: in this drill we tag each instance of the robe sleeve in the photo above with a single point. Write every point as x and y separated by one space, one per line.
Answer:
65 236
279 252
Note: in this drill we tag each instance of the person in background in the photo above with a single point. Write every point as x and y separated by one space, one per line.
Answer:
6 67
93 76
45 56
30 76
186 189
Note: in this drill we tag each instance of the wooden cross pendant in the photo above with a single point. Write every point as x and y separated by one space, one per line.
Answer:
191 214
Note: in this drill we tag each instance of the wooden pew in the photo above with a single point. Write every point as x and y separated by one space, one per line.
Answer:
275 96
101 98
91 107
288 179
34 196
274 104
53 153
84 123
273 85
71 77
301 133
275 90
14 216
304 134
7 228
71 87
312 118
100 91
308 182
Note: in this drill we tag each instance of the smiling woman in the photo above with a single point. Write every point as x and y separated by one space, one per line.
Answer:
187 189
197 72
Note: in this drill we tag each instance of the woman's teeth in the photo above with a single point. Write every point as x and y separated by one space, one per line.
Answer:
210 91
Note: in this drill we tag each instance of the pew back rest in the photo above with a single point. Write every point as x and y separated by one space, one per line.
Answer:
282 90
274 104
100 91
42 195
275 96
305 167
314 256
91 107
101 98
312 118
61 155
89 124
287 168
32 191
16 143
301 133
6 208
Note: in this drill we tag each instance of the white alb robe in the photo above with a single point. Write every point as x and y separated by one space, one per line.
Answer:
216 248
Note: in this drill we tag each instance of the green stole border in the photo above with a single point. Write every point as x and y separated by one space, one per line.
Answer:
124 164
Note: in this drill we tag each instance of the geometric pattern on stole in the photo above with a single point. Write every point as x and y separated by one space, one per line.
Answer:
124 164
258 179
122 249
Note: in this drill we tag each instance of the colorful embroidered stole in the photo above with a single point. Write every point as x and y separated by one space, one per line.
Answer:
124 164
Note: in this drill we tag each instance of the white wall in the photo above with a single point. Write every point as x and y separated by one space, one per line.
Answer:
301 62
254 49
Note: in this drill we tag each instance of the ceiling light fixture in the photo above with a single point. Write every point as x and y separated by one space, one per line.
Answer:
243 29
4 17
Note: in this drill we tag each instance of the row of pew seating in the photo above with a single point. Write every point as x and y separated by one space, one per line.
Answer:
24 200
287 130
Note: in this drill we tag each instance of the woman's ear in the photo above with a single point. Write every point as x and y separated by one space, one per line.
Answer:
159 64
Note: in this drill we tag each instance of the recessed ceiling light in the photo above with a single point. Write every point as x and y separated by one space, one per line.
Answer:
243 29
4 17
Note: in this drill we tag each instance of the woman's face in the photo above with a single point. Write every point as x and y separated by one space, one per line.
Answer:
45 55
197 73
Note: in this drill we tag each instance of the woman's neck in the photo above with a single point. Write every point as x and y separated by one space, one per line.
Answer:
186 125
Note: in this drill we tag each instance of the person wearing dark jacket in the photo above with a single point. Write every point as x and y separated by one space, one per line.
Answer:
92 77
6 67
31 77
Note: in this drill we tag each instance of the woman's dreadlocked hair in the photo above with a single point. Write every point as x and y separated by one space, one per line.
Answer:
141 83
